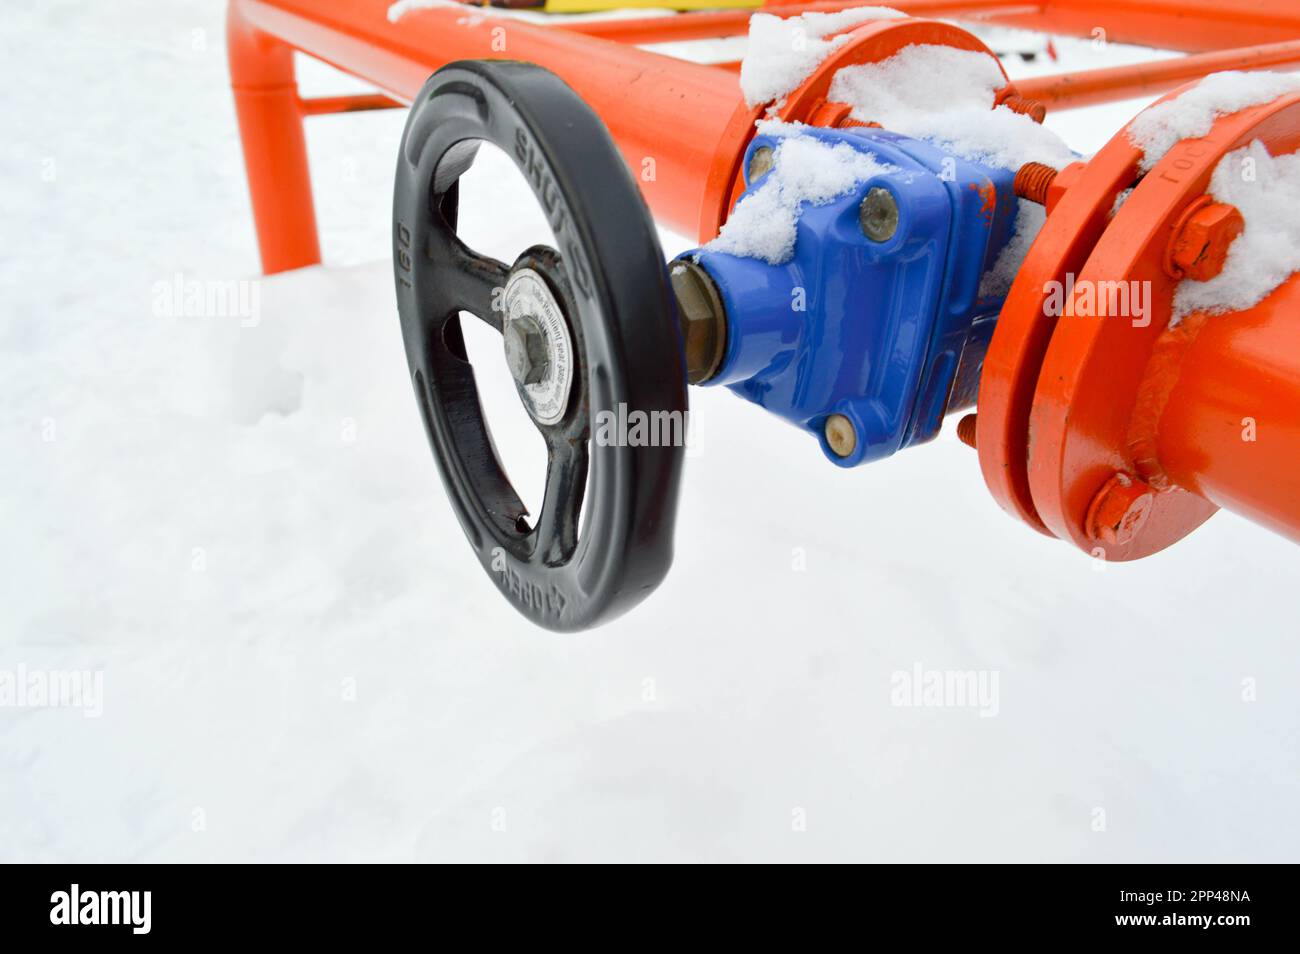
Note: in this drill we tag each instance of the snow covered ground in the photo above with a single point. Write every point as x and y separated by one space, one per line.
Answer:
239 524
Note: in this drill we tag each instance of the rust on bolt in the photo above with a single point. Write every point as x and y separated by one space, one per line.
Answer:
1199 247
1013 101
1119 510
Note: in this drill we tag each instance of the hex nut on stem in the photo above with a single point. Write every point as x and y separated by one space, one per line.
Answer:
703 317
525 345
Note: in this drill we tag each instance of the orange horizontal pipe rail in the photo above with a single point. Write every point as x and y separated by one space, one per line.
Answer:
357 103
1087 88
1187 25
718 23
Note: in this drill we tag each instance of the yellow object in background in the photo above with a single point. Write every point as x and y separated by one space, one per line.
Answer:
591 6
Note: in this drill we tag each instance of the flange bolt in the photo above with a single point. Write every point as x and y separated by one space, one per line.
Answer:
1119 510
1027 107
966 429
1200 244
1033 180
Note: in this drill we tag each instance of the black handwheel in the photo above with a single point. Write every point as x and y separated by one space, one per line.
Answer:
589 327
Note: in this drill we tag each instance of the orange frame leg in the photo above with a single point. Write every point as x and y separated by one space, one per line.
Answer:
275 146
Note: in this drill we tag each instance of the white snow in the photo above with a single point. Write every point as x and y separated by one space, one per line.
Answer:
1120 198
1266 190
996 282
402 7
805 171
783 52
242 529
1191 114
945 95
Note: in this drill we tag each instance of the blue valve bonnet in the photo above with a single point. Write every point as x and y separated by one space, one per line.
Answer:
890 334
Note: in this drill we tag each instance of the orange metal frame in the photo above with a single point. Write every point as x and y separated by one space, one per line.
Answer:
692 119
686 114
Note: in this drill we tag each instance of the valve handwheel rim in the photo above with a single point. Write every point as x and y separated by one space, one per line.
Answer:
587 328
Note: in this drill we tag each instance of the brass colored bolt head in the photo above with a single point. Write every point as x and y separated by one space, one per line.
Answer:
840 435
878 215
760 163
703 318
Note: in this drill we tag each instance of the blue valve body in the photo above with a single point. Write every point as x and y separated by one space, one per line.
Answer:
890 334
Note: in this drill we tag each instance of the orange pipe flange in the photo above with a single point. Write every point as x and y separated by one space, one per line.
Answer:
1025 326
870 42
1090 417
873 42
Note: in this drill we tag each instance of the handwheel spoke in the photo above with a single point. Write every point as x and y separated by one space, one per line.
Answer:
566 481
473 281
482 280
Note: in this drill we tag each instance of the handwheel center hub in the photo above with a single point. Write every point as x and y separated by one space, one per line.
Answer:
538 348
526 350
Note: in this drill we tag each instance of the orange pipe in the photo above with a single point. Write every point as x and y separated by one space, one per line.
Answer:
1072 90
1230 430
716 23
680 126
356 103
1188 25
